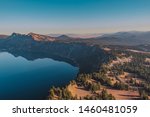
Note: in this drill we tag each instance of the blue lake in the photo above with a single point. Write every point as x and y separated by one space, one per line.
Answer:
25 79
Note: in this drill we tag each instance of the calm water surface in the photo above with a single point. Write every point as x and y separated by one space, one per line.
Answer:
24 79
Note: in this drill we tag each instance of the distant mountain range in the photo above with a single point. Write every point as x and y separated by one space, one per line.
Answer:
119 38
32 36
126 38
35 37
63 37
3 36
77 35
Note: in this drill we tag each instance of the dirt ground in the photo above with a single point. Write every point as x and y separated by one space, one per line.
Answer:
78 91
124 95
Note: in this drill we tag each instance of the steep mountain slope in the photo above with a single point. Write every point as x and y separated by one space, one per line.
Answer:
88 58
30 36
39 37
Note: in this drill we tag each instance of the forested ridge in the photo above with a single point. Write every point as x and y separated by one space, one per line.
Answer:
98 82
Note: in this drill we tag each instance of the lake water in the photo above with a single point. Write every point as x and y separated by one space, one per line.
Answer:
24 79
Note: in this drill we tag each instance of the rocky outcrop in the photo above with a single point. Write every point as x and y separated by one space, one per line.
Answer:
38 37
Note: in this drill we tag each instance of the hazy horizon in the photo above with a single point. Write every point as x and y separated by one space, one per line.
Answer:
73 16
75 34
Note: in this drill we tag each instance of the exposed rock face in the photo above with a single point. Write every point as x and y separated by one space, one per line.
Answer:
38 37
31 36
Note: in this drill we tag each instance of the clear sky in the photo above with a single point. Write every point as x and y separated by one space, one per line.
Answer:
73 16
